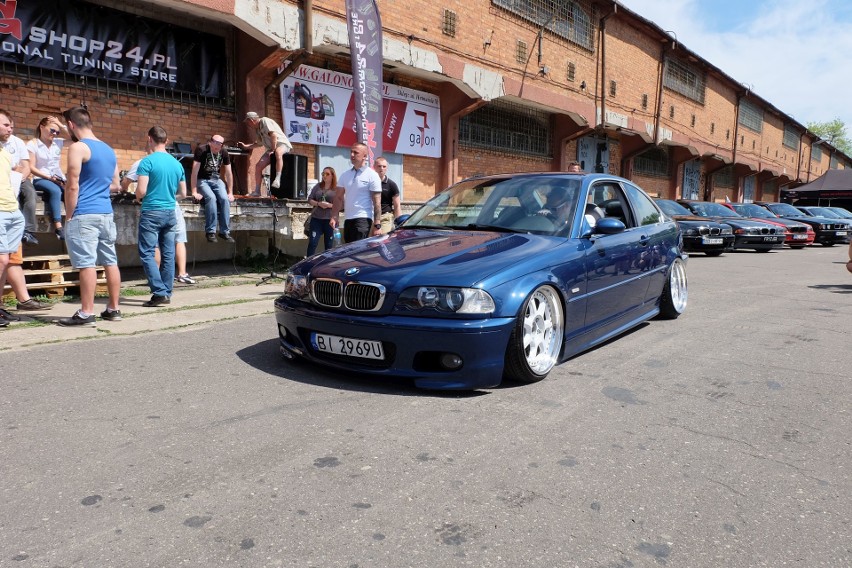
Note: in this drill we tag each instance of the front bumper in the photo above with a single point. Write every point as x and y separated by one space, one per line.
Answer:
412 345
759 242
692 243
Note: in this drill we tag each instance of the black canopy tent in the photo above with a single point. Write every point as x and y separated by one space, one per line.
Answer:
834 187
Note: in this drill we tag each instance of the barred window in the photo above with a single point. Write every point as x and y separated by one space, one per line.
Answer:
791 137
684 79
751 116
653 162
832 162
507 127
816 153
770 190
724 177
570 20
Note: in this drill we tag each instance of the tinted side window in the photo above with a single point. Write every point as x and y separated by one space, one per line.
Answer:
645 210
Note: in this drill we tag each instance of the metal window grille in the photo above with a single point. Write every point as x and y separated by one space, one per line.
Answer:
791 137
684 79
692 121
816 153
572 71
653 162
770 190
724 177
612 88
644 102
521 52
728 134
671 111
751 116
507 127
574 21
712 128
449 23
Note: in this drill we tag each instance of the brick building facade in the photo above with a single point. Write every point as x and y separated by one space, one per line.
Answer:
519 92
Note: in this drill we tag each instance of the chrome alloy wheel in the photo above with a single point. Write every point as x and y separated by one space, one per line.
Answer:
543 327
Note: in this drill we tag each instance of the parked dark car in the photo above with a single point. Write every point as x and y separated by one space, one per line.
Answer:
817 211
828 232
799 235
700 234
498 276
748 234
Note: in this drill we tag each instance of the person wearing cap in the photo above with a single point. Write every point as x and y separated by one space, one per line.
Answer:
273 139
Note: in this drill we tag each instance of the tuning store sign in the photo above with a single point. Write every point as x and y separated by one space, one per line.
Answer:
94 41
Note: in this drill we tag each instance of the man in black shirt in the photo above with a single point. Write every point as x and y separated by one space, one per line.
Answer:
391 207
209 161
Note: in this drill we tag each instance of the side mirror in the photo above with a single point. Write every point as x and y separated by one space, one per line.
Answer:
400 220
609 226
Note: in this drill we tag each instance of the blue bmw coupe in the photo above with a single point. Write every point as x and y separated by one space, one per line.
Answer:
496 277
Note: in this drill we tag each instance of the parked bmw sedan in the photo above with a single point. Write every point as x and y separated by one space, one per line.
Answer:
841 212
498 276
799 235
700 234
748 234
828 231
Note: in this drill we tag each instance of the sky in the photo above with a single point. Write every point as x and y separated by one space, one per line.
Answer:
795 54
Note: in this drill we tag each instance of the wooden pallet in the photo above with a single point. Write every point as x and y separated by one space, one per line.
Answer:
53 275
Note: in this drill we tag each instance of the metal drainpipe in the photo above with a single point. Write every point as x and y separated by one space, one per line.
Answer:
736 129
658 114
799 160
603 65
300 55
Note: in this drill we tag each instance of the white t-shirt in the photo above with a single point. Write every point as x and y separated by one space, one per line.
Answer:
18 150
360 185
47 158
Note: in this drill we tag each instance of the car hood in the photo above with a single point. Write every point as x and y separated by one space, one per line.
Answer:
741 223
695 218
437 258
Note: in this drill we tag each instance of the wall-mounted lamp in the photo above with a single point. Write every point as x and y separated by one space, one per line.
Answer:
583 86
486 44
545 70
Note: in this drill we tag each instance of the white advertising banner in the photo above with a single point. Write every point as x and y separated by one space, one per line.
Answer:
319 108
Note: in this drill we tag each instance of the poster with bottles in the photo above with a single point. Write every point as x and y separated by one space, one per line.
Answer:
319 108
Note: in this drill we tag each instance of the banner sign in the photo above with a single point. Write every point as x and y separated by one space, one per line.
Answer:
365 47
319 108
94 41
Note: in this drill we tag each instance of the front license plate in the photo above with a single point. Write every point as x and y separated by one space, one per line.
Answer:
770 239
841 233
348 346
709 241
800 237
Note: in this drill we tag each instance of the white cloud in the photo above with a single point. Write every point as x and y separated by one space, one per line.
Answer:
794 54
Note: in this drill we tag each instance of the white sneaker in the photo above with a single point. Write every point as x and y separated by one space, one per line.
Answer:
276 183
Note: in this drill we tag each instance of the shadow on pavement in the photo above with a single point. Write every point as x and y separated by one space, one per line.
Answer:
265 357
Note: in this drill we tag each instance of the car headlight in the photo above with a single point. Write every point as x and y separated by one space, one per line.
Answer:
446 299
727 230
690 232
296 286
824 227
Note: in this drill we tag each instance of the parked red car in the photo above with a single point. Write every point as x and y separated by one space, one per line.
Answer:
799 235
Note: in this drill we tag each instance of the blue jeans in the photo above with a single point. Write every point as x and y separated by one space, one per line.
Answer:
215 201
157 229
319 227
52 196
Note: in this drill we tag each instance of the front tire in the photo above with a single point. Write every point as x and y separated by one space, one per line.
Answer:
536 341
675 292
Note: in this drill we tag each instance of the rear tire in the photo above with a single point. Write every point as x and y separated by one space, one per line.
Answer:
675 292
536 341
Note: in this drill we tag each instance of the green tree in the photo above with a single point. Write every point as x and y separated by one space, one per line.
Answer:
834 132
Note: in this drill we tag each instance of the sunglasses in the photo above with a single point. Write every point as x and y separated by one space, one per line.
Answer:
326 173
54 131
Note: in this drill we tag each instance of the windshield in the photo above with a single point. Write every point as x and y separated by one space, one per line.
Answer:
844 213
785 209
752 210
672 207
712 209
823 212
543 205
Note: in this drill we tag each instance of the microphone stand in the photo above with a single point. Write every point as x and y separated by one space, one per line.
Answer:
272 274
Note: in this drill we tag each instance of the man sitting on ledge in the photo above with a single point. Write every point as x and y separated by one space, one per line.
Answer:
275 141
208 187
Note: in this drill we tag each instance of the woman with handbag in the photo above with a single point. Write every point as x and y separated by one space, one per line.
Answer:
322 199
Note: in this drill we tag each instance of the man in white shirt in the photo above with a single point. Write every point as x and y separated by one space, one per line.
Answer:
27 197
360 195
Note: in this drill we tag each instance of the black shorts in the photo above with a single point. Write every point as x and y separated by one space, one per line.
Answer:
356 229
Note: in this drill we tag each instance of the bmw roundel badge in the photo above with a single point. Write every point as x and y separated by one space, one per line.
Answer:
352 271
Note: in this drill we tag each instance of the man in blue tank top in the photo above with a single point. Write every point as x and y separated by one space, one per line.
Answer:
90 229
161 178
